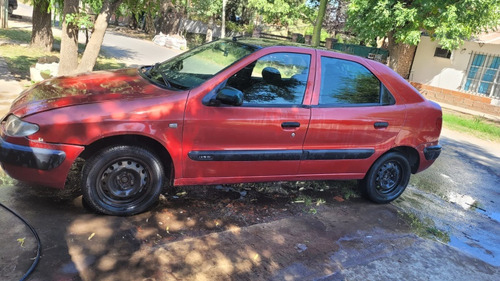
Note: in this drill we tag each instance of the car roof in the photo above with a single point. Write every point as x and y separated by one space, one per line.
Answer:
264 42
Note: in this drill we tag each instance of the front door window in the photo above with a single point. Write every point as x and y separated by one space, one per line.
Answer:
277 79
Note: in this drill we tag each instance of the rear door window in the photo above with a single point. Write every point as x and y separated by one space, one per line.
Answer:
348 83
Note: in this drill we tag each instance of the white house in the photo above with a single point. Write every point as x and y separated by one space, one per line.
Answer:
473 68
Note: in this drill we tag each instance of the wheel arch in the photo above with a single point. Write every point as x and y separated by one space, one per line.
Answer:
411 155
134 140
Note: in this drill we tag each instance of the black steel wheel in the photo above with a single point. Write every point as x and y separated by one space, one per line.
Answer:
122 180
387 178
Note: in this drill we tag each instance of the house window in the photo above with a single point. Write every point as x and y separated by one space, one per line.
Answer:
483 75
442 53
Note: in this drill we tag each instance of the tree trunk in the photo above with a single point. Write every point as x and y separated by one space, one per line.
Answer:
41 34
319 23
68 57
149 24
94 46
169 20
209 35
400 56
223 29
4 14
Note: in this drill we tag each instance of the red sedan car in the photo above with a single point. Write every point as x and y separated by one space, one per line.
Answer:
235 111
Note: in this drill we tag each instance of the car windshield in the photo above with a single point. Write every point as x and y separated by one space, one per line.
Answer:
196 66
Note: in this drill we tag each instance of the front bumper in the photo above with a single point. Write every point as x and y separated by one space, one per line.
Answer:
30 157
38 162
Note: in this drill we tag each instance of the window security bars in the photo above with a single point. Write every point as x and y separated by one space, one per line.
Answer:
483 75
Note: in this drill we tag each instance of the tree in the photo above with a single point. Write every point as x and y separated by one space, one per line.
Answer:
318 24
94 45
208 10
4 14
68 63
336 15
68 55
286 12
170 15
280 12
223 28
41 33
238 10
402 22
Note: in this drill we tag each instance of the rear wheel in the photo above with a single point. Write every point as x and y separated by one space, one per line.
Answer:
387 178
122 180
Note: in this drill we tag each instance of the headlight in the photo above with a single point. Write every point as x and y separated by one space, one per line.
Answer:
16 127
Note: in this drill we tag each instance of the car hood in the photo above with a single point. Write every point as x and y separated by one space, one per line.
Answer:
85 88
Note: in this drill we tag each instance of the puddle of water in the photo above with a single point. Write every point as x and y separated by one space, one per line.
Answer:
448 178
464 201
494 216
490 255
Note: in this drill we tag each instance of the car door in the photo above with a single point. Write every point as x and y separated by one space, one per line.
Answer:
354 119
261 138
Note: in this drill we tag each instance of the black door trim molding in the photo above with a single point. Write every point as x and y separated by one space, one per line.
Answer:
334 154
277 155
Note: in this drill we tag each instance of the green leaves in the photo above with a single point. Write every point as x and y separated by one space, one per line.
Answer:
80 19
449 21
282 12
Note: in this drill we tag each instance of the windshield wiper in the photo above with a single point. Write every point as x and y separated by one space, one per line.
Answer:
154 68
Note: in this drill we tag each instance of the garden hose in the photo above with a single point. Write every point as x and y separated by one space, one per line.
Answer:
39 247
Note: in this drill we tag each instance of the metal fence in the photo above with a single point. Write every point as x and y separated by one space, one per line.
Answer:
377 54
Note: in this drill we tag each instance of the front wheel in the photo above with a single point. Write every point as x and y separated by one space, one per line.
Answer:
122 180
387 178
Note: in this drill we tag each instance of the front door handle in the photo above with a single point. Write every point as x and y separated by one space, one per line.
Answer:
288 125
379 125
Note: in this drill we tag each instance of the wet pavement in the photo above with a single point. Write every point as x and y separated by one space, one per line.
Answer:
460 193
210 233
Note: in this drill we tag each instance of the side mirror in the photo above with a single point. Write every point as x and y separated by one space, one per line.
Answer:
230 96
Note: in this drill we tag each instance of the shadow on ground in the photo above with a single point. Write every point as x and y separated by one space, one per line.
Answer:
194 221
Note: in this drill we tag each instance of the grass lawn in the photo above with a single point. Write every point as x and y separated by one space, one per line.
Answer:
21 57
476 125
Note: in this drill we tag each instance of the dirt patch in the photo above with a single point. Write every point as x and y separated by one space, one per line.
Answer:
199 210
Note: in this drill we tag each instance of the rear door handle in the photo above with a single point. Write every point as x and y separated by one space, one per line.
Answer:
288 125
378 125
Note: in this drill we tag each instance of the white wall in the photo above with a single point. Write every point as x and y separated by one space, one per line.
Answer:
442 72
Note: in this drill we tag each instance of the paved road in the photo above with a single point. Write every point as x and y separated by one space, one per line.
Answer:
132 51
135 52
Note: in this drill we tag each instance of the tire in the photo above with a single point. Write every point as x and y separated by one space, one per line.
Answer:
122 180
387 178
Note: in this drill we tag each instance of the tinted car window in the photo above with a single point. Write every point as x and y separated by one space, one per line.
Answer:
275 79
349 83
